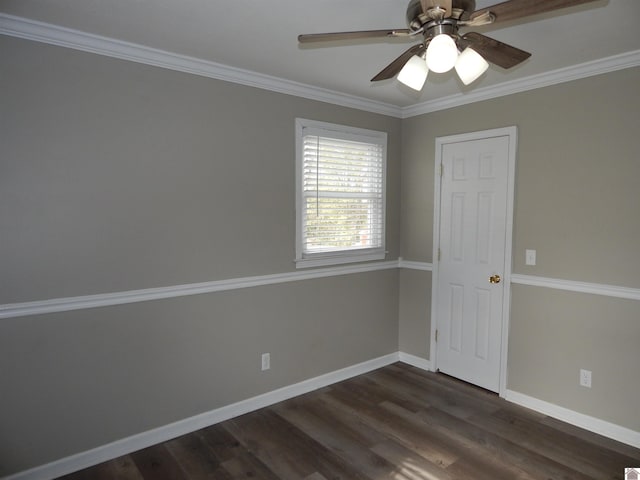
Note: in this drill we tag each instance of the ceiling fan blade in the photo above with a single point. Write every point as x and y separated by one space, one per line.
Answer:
394 67
514 9
493 51
443 4
326 37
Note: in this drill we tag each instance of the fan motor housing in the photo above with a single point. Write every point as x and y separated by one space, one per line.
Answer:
416 17
448 27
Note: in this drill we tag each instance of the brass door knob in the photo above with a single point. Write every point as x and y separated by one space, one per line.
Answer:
494 279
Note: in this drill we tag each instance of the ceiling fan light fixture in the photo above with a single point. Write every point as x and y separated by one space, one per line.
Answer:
470 65
442 53
414 73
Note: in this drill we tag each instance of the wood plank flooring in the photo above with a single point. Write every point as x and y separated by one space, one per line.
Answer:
398 423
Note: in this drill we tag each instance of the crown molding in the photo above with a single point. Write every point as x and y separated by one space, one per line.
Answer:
553 77
64 37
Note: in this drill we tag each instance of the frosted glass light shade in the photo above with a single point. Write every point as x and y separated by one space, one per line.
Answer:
470 66
442 53
414 73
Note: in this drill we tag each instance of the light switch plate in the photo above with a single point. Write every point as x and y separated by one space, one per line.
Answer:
266 361
530 257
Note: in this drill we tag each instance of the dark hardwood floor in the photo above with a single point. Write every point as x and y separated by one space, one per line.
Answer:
394 423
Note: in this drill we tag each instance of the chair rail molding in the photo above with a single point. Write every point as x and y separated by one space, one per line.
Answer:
55 305
577 286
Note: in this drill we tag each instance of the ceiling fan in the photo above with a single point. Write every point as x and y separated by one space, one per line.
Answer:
438 22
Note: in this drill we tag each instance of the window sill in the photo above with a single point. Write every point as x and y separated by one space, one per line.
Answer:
338 259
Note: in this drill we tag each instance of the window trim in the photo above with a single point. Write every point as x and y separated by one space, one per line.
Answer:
304 260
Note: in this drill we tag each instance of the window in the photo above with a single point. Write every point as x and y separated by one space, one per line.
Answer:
340 204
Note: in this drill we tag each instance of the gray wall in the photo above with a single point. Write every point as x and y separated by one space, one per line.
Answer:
577 200
77 380
414 313
118 176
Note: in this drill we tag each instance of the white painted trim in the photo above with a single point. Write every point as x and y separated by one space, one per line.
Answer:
512 133
56 305
136 442
133 296
338 132
546 79
508 255
415 361
65 37
164 433
437 180
610 430
574 286
412 265
340 259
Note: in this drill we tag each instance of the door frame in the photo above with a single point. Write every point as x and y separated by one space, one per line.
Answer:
512 133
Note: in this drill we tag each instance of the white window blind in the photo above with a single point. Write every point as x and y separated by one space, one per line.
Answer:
341 193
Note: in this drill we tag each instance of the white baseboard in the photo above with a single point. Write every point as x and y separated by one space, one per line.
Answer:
607 429
136 442
131 444
415 361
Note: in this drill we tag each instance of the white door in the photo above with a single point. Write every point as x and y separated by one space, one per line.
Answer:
474 238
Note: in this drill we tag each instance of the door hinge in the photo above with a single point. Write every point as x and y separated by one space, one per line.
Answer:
441 170
438 254
436 335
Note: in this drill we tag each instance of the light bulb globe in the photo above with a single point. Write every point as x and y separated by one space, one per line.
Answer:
442 53
414 73
470 66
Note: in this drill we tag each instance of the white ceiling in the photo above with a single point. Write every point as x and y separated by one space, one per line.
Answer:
261 36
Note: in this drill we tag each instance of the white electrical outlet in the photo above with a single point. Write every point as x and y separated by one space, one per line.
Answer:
530 257
585 378
266 361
